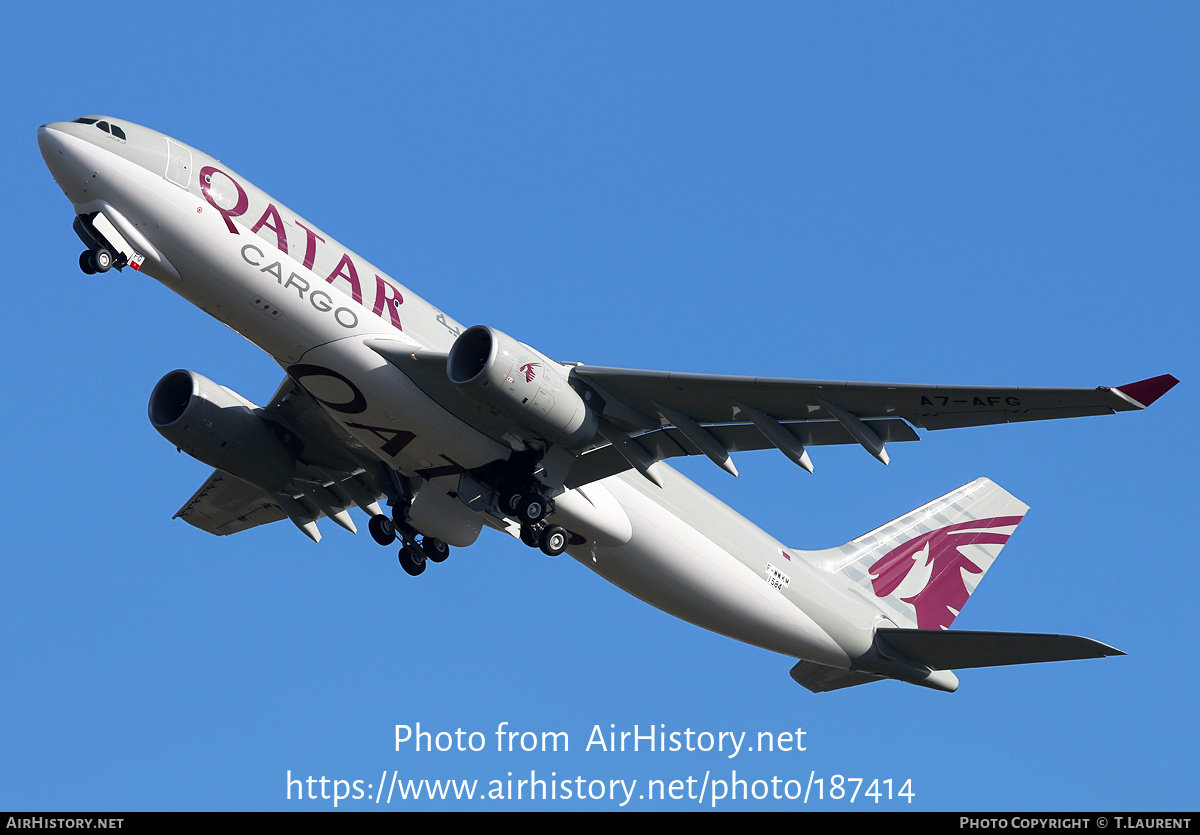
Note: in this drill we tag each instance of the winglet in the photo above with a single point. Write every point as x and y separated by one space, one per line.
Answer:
1145 392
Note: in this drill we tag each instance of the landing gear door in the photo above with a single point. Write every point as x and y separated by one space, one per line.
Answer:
117 243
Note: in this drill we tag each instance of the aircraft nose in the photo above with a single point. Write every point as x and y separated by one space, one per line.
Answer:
50 140
54 143
59 150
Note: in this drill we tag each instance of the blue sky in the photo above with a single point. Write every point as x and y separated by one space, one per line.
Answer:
996 194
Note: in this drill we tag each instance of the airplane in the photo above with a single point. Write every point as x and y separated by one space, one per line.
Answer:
387 399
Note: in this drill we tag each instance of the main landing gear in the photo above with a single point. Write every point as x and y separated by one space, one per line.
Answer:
527 508
531 509
552 539
414 552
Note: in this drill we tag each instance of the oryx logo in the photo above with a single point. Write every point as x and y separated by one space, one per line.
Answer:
927 572
528 368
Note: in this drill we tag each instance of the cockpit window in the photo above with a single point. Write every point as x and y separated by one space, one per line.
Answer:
114 130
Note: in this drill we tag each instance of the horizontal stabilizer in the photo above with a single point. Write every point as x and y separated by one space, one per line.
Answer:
956 649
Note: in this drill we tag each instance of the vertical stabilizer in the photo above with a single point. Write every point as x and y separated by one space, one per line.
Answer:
921 568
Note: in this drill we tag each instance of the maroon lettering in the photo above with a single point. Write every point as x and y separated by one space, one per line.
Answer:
239 207
395 439
350 275
387 296
355 405
310 247
280 235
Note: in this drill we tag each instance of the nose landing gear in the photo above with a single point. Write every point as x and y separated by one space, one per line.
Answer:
93 261
102 254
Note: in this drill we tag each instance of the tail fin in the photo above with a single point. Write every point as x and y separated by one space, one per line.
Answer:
921 568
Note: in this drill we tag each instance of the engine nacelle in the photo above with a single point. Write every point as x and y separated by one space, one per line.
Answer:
522 384
220 428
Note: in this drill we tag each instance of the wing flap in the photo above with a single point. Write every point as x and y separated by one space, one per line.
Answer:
225 504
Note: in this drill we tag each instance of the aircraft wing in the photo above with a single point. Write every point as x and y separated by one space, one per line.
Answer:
696 403
329 477
648 416
790 414
225 504
715 399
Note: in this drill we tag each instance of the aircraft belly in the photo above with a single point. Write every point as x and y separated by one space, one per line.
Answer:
675 568
385 410
593 512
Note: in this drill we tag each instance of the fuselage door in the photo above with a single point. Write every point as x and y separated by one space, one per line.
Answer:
179 163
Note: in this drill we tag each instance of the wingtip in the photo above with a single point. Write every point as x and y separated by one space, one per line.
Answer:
1145 392
1098 648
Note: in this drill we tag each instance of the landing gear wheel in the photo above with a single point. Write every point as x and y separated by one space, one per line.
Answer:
400 514
435 549
85 262
382 529
510 501
532 509
102 260
529 535
553 541
412 559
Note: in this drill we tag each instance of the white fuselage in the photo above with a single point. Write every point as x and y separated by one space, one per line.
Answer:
311 303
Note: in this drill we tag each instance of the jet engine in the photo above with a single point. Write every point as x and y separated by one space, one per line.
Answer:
520 383
220 428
